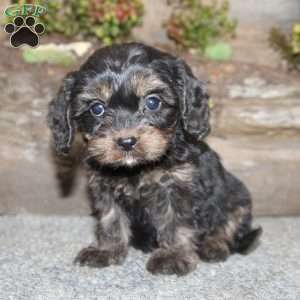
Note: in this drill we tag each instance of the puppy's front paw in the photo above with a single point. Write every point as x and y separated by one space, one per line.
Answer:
97 258
214 251
167 262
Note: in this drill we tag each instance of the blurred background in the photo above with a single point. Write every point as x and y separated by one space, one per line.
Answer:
247 51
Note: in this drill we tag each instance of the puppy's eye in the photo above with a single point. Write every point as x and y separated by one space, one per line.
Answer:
152 103
97 109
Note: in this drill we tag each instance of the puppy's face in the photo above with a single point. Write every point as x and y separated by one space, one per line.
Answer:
127 101
127 116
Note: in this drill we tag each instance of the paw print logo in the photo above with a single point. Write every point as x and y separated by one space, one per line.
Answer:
24 32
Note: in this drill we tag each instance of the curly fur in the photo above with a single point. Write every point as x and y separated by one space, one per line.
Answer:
170 194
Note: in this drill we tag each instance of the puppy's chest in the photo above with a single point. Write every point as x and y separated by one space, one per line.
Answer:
146 186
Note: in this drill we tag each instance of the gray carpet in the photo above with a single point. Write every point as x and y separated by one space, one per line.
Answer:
36 256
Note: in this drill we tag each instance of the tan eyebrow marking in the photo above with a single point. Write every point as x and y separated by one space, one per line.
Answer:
102 91
105 90
142 83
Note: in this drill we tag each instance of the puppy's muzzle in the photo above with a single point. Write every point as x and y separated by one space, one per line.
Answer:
127 144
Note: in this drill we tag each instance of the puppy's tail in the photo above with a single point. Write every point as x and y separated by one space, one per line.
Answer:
248 242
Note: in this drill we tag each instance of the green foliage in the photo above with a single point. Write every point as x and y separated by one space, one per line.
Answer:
108 20
218 51
48 55
296 39
287 46
197 25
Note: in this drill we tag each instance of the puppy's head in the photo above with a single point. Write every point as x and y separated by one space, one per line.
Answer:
128 101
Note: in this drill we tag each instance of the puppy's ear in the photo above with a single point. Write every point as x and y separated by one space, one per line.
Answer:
59 117
193 103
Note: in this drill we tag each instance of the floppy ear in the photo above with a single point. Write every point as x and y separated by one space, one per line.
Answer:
193 103
59 117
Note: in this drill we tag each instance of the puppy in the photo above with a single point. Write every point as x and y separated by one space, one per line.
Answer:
141 116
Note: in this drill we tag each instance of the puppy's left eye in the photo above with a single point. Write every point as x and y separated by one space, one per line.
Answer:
97 109
152 103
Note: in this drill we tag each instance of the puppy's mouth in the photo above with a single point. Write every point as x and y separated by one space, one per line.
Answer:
129 147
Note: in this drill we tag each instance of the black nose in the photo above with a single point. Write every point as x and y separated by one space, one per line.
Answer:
127 144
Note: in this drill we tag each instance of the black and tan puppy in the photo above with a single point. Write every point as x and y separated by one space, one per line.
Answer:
152 181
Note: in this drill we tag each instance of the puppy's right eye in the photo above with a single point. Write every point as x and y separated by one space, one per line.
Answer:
97 109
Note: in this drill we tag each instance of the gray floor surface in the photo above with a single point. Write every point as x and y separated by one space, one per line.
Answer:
36 256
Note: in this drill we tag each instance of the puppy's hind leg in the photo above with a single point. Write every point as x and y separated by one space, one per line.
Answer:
234 236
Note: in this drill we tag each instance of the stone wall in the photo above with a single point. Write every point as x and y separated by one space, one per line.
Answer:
266 13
